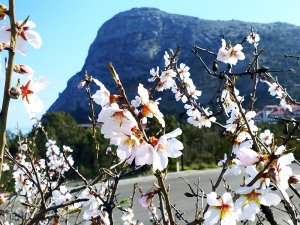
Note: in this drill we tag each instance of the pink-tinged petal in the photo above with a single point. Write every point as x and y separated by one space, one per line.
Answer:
250 210
4 34
21 46
247 156
144 154
123 153
97 82
228 220
174 147
160 161
212 199
240 56
280 150
250 114
238 47
174 133
160 118
223 55
244 190
227 199
232 61
38 85
251 171
269 199
35 104
286 159
144 94
34 39
116 140
212 216
223 43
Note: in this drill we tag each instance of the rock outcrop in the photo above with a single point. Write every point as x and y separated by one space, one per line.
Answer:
135 41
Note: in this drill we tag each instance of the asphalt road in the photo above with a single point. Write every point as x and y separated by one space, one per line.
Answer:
177 189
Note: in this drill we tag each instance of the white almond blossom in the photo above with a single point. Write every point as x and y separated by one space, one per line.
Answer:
61 196
228 100
230 55
183 71
253 38
219 209
115 120
248 204
178 95
155 74
32 102
286 105
247 157
149 108
275 89
233 165
102 96
281 171
25 34
243 142
127 217
266 137
132 148
168 58
164 147
252 171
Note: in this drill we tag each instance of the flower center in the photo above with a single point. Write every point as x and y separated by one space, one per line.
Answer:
252 197
225 209
130 142
25 91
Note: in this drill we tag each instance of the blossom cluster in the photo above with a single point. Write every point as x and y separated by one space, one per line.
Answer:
34 179
276 90
93 209
25 33
179 81
262 161
125 130
57 161
257 155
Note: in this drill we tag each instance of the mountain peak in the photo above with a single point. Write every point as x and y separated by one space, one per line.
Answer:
135 41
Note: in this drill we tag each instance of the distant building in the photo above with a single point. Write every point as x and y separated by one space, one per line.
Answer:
270 112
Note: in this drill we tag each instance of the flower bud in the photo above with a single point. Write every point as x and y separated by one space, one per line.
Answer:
294 179
4 46
15 92
81 84
215 66
22 69
24 147
3 11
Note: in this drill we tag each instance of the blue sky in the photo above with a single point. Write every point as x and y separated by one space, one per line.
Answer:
68 27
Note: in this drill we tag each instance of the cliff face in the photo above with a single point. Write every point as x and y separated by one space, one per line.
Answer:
135 41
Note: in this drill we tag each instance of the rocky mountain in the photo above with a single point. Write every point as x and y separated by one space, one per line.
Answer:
135 41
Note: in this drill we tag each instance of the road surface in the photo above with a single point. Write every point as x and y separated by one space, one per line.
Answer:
177 189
